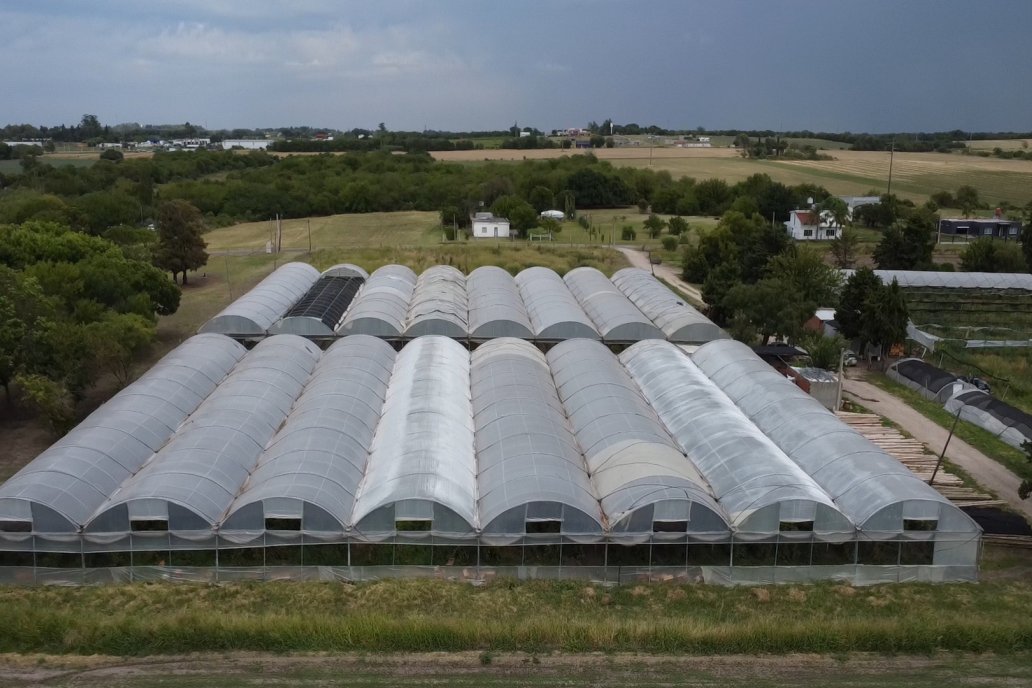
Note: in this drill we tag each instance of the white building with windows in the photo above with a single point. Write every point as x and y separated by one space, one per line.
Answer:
487 226
804 225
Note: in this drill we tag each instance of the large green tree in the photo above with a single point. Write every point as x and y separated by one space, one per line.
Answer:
181 246
849 313
908 243
884 317
772 306
991 255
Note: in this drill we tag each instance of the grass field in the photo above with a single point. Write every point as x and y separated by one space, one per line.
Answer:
525 669
504 616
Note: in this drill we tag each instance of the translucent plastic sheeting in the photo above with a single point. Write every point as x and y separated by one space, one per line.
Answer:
422 466
254 312
634 464
754 481
530 466
680 322
318 457
873 489
62 487
439 305
321 309
382 304
955 280
615 317
1010 424
191 481
553 310
495 306
345 270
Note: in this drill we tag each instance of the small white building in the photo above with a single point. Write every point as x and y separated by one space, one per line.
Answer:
803 225
553 214
487 226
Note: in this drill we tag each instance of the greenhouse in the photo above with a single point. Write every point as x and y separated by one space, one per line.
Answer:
495 306
615 317
927 380
910 279
554 312
1010 424
255 312
679 322
380 308
322 308
439 304
359 463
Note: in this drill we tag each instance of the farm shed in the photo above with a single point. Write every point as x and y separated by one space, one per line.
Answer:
359 463
254 313
974 228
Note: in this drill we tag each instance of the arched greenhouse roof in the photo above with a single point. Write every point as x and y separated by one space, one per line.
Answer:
495 306
422 464
553 310
615 317
68 481
530 467
633 462
345 270
872 488
381 306
681 323
439 305
319 455
255 312
322 308
205 463
753 480
910 279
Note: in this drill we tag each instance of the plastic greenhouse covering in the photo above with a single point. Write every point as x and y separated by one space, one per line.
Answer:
439 304
927 380
1010 424
757 484
255 312
358 463
530 468
62 487
680 322
322 308
615 317
495 306
554 312
873 489
909 279
382 304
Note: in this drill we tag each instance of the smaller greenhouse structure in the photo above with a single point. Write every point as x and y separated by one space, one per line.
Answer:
927 380
911 279
254 313
318 313
495 306
1010 424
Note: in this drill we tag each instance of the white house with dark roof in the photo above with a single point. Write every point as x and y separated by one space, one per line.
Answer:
487 226
804 225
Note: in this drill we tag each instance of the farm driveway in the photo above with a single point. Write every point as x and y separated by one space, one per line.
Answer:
640 259
983 469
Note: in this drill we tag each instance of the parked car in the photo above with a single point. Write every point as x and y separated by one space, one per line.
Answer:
978 382
849 357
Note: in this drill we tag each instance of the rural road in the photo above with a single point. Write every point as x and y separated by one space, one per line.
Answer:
640 259
987 472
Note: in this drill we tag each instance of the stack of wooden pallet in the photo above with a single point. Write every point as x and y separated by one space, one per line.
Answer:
916 456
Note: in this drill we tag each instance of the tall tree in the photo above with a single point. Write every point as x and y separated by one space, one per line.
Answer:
806 271
884 318
180 244
844 248
849 314
908 243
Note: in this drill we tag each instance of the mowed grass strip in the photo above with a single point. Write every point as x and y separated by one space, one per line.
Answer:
434 615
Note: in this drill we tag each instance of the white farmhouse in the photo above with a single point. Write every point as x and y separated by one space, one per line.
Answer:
803 225
487 226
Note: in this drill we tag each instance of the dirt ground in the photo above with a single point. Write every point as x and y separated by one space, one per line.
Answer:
517 669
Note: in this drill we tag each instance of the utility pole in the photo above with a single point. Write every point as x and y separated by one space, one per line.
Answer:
892 150
938 463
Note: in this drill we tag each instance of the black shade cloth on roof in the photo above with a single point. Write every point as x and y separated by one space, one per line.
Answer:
928 376
327 300
1000 410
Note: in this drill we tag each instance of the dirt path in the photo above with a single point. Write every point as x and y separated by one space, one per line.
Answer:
983 469
640 259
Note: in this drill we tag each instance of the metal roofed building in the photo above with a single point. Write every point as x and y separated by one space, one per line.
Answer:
358 462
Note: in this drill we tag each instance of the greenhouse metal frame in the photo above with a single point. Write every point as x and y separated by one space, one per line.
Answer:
359 462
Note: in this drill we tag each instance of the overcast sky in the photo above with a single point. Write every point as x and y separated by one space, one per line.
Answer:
823 65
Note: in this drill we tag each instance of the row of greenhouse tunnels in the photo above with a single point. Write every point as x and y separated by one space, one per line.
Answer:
361 462
395 303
